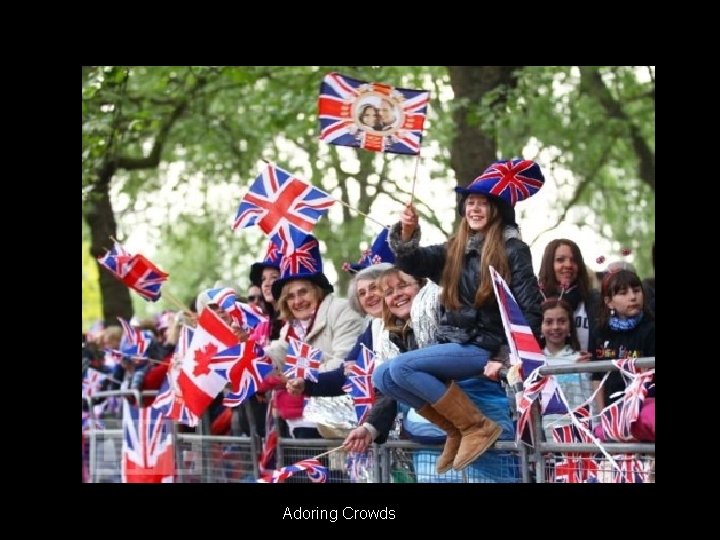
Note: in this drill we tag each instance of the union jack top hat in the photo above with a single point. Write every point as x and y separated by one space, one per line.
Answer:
302 263
271 260
379 252
507 182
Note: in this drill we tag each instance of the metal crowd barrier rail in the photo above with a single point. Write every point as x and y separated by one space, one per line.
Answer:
583 460
223 459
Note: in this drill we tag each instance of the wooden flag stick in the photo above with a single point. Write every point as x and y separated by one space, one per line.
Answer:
359 212
174 300
412 190
329 451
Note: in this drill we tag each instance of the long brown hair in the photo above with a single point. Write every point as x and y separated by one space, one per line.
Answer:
493 253
389 319
546 276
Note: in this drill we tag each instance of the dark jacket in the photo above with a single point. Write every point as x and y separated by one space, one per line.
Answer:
482 327
617 344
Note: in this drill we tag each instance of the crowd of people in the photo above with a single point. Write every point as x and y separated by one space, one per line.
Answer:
431 319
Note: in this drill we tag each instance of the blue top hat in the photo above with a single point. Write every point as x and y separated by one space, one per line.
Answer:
271 260
304 262
379 252
508 182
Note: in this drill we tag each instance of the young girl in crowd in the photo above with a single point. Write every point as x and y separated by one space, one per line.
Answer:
470 330
626 330
560 346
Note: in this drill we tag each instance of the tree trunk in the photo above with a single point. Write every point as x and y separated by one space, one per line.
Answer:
101 220
472 150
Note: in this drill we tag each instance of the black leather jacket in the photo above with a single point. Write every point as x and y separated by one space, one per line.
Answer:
482 327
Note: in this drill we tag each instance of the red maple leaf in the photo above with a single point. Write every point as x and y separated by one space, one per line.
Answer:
203 357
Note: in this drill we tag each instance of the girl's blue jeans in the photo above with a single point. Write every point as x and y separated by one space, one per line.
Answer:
420 376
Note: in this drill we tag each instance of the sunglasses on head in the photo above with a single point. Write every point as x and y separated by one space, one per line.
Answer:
254 297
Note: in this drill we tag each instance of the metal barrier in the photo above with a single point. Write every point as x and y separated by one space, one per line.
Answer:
201 458
575 462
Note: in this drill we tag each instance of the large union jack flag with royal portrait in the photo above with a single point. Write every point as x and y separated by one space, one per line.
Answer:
373 116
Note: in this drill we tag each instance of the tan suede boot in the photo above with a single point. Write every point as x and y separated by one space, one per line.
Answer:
478 432
452 441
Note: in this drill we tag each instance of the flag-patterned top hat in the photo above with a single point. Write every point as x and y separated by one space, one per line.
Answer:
304 262
379 252
271 260
507 181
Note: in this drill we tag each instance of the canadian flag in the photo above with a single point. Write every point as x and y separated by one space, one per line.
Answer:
198 381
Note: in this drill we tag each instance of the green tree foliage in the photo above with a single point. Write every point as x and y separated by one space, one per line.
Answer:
169 151
598 123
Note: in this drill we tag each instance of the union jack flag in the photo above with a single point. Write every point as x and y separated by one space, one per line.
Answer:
359 466
364 364
224 297
277 198
147 449
117 260
631 470
92 381
273 253
246 374
524 349
304 259
575 467
267 458
302 361
169 400
286 239
171 405
618 417
316 472
145 278
249 315
508 176
397 115
135 271
134 342
89 423
359 382
363 395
